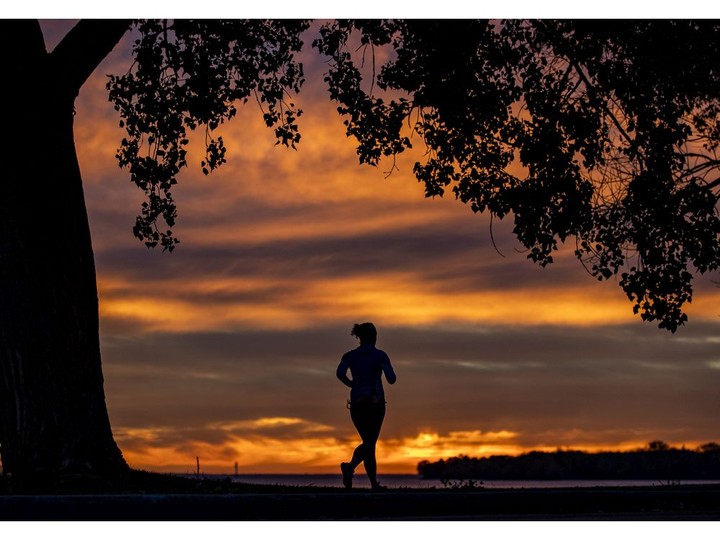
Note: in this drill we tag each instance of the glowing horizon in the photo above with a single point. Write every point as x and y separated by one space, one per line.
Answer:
319 452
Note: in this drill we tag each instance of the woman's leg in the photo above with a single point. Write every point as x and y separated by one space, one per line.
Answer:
359 420
368 421
371 464
378 415
358 456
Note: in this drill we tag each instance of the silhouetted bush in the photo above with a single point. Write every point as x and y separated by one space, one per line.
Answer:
657 461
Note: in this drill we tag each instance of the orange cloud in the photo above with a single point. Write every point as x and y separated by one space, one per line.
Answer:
255 447
393 297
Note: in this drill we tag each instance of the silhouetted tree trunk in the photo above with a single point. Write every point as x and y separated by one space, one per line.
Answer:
53 417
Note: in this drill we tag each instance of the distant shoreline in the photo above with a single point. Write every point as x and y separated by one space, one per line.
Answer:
656 461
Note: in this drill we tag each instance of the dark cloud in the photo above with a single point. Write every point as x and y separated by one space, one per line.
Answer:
444 259
535 381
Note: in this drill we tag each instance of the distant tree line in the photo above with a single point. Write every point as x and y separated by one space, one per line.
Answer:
657 461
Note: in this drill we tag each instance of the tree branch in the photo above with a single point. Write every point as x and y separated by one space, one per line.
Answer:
710 164
588 84
84 47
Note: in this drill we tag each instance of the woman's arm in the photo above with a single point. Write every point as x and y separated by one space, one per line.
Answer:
388 369
342 373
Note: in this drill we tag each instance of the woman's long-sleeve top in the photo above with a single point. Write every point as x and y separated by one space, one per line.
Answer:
366 365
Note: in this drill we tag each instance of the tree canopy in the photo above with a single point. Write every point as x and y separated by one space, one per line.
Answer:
604 133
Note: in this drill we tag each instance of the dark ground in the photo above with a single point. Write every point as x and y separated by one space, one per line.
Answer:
160 498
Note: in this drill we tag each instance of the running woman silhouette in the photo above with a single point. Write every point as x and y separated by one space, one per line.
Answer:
367 398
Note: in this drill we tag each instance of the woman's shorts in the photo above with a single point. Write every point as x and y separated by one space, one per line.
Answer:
368 419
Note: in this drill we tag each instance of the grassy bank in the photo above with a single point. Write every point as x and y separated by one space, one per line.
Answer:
161 498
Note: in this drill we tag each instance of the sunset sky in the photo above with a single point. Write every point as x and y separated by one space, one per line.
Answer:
226 349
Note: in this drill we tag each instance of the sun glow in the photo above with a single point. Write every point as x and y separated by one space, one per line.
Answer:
294 445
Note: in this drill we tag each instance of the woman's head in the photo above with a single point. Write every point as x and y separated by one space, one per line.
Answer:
365 332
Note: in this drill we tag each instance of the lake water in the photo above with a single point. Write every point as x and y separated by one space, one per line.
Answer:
415 482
